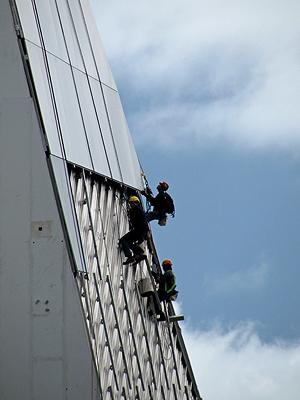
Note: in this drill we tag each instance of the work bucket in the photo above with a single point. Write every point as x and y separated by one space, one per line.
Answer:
145 287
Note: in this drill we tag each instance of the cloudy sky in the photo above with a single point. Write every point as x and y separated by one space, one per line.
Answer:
211 93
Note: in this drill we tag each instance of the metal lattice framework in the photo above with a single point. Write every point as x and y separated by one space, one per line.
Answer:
135 356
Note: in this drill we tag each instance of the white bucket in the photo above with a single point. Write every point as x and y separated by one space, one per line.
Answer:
145 287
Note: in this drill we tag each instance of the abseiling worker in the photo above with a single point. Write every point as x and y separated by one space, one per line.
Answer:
166 290
137 234
158 202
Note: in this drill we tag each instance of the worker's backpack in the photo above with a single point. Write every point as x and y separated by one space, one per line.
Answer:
169 207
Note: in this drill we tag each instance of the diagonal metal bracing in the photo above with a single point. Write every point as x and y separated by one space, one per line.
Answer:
133 335
175 391
91 223
145 334
107 336
173 353
119 331
159 343
86 299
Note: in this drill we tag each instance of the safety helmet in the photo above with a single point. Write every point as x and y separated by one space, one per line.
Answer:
134 199
164 184
166 262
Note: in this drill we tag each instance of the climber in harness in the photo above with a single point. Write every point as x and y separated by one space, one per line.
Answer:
162 203
137 234
166 290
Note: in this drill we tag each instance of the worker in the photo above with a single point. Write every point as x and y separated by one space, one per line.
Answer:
158 202
166 290
138 233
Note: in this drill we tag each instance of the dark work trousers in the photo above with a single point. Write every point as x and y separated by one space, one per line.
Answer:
162 295
129 240
151 215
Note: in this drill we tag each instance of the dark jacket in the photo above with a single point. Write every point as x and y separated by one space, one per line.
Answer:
158 202
138 220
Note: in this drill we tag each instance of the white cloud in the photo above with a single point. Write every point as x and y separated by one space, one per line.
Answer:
209 71
234 364
237 365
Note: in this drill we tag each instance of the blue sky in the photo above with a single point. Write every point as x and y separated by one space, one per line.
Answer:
211 93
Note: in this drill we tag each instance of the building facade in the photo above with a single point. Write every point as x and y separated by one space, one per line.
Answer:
73 323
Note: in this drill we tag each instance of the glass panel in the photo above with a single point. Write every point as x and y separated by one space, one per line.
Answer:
105 129
83 38
128 160
41 82
51 28
69 34
28 21
99 156
97 46
65 195
69 115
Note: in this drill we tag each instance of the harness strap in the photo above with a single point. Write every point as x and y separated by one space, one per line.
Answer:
172 287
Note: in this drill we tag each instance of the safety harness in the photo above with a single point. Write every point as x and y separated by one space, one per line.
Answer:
172 287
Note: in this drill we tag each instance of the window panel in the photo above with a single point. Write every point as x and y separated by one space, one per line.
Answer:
51 28
83 38
105 129
128 160
28 21
99 157
73 133
97 47
69 34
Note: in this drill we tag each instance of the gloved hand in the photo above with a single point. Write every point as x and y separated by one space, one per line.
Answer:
149 191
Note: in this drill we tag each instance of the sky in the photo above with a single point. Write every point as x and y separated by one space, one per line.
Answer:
211 94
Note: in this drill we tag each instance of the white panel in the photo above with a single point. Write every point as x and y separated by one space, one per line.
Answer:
37 64
105 129
63 185
69 113
99 156
69 33
28 21
98 50
130 166
51 28
83 38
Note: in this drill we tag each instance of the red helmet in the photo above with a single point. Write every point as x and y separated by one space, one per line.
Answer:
165 185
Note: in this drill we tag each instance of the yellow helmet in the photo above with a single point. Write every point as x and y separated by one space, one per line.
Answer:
167 262
134 199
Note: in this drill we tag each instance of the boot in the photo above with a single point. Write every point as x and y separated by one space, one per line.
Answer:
139 258
129 260
162 317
